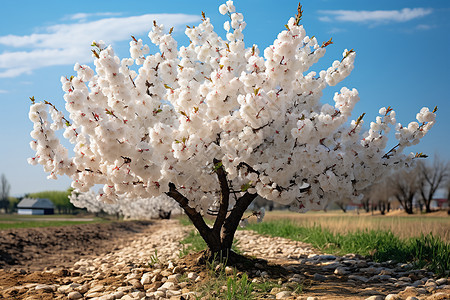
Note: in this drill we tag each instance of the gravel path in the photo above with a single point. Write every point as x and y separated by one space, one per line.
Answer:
147 267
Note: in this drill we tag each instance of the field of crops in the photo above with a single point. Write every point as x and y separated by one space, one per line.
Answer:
399 223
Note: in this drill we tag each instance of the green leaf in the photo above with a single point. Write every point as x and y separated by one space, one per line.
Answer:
218 166
246 186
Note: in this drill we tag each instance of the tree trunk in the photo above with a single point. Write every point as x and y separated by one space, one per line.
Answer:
218 238
383 208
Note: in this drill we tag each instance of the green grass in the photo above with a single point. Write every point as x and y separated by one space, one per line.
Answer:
195 243
192 243
237 286
424 251
27 221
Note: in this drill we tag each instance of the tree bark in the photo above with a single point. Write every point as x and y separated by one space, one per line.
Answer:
218 238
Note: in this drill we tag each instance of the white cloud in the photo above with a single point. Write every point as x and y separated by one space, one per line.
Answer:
3 92
84 16
374 17
425 27
69 43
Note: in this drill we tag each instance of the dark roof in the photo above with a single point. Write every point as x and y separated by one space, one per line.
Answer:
39 203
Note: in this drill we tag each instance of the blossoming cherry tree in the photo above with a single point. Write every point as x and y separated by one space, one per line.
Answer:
216 123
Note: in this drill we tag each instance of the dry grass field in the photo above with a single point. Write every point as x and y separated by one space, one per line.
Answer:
401 224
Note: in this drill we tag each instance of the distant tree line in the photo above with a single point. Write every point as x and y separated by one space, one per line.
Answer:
7 203
413 189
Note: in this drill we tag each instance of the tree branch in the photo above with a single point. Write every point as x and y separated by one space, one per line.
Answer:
224 197
233 219
194 216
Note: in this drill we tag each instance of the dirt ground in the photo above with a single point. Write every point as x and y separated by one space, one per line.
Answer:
38 249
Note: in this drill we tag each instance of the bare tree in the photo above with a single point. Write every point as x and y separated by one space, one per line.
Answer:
342 206
380 193
431 178
405 186
447 187
5 187
366 202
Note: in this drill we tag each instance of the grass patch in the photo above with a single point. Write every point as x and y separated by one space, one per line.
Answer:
192 243
31 221
404 226
195 243
424 251
238 286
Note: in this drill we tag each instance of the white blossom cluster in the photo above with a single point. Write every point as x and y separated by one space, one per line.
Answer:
257 113
138 209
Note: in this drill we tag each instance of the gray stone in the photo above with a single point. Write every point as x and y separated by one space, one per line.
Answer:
192 275
177 270
146 278
136 283
417 283
45 287
421 291
358 278
392 297
319 277
376 297
74 295
64 289
341 271
93 295
97 288
160 294
326 257
82 288
107 297
283 295
168 286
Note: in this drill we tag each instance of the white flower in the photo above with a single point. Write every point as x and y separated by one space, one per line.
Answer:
243 223
261 214
223 9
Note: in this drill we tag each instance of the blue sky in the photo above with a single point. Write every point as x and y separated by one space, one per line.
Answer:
402 48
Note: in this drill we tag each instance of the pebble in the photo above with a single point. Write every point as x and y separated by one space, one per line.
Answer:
146 278
376 297
319 277
283 295
45 287
74 295
358 278
341 271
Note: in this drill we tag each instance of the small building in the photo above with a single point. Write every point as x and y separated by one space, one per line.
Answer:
439 203
30 206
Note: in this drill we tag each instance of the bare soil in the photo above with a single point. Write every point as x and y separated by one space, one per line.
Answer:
37 249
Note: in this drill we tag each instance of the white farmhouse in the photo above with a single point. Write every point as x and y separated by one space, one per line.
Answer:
30 206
